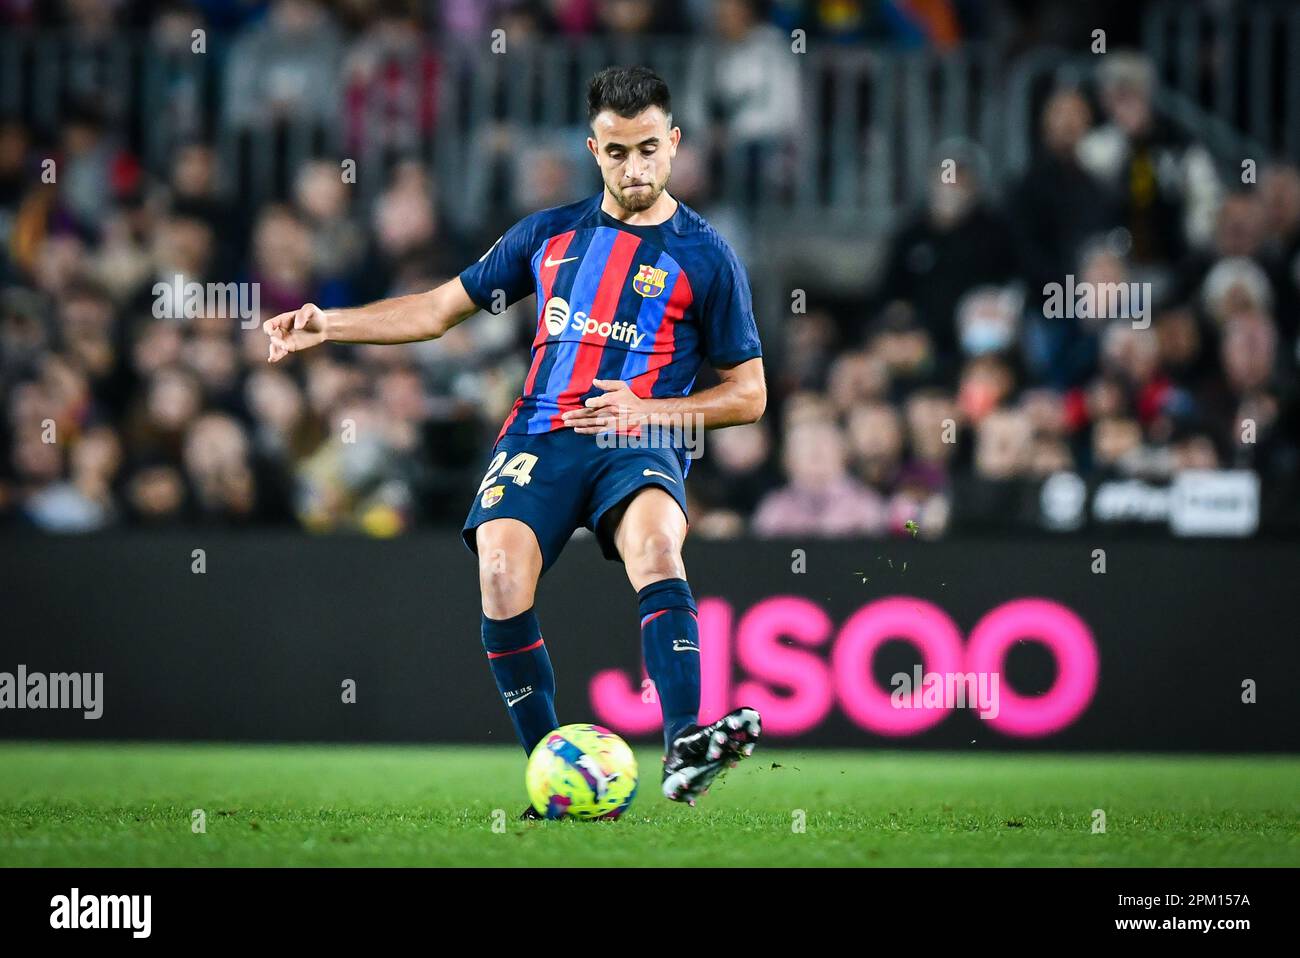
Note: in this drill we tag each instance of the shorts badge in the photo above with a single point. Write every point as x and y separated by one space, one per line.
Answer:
493 496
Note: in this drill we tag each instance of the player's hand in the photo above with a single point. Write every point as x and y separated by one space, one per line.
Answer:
616 408
294 331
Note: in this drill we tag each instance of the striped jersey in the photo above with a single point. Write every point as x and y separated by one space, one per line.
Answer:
644 304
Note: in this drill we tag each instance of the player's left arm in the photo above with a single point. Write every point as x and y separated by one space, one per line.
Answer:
740 398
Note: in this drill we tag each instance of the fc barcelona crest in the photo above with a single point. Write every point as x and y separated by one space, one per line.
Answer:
649 282
493 496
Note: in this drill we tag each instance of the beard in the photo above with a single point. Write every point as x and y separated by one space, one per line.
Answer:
634 201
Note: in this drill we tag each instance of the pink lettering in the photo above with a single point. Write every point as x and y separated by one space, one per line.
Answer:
761 653
921 623
795 690
1070 642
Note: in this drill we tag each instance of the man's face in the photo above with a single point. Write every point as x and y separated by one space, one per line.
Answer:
1065 121
1129 107
635 155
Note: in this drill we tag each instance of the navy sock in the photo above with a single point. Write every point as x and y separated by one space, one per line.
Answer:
522 669
670 643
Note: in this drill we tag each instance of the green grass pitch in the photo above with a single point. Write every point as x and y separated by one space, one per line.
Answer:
131 805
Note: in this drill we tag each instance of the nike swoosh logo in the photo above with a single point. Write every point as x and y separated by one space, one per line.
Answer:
512 703
652 472
684 647
557 262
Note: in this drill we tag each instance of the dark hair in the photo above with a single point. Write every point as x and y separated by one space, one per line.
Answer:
627 91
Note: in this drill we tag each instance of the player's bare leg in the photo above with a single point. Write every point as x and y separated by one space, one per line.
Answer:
509 565
649 538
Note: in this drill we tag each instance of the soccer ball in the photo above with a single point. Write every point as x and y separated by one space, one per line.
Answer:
581 771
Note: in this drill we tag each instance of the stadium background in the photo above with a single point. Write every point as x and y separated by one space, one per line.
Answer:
339 152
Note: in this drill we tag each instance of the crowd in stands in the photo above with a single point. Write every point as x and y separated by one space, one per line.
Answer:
956 378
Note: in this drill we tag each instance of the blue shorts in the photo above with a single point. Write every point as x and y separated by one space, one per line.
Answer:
557 481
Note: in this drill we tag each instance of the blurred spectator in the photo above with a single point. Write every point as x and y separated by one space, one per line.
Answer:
857 377
875 434
179 87
359 478
743 102
1003 445
1279 187
1063 350
957 243
544 175
88 332
808 351
216 463
155 496
932 428
988 321
84 502
1233 285
986 383
1114 440
906 349
1167 185
1279 191
1060 206
391 83
627 18
404 230
731 478
1249 407
96 79
286 67
821 498
93 169
338 244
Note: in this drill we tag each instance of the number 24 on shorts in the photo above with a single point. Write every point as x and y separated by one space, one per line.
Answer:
518 469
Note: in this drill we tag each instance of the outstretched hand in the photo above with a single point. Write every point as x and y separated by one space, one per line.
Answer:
294 331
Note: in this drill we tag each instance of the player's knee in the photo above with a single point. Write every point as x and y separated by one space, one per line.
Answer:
659 556
505 581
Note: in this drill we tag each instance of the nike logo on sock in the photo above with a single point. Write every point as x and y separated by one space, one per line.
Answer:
684 645
511 703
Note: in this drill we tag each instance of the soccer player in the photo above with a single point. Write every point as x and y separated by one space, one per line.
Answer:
634 291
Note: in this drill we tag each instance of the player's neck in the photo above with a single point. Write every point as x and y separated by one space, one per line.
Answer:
661 211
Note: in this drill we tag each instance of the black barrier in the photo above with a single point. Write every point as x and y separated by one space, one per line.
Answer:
971 645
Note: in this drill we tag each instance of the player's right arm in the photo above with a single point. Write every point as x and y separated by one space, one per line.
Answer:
501 276
400 319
